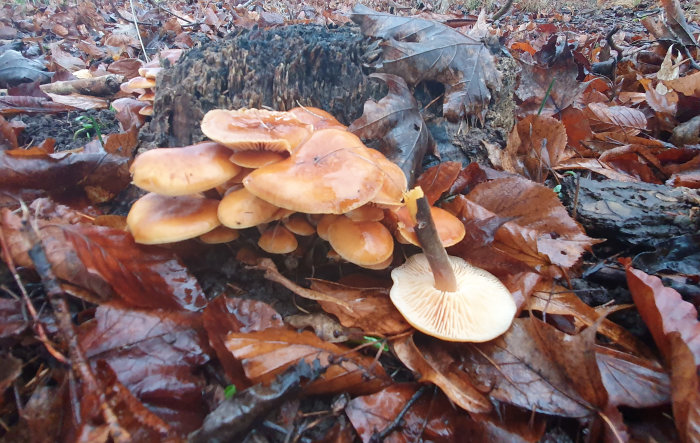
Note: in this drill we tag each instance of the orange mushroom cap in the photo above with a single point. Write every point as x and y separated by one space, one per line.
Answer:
318 118
298 224
366 212
450 229
255 129
330 173
155 219
323 225
182 171
222 234
255 159
240 209
395 182
364 243
278 240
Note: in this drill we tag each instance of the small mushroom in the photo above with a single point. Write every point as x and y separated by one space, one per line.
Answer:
394 184
240 209
450 229
278 240
298 224
155 219
364 243
222 234
366 212
182 171
255 159
479 310
331 173
255 129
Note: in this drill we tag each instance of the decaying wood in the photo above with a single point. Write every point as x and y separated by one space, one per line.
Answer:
104 86
634 214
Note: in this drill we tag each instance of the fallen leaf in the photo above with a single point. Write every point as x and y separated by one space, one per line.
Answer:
154 355
577 128
367 309
664 311
397 122
686 388
108 262
264 354
224 315
324 326
688 85
438 179
540 145
602 117
419 50
16 69
434 365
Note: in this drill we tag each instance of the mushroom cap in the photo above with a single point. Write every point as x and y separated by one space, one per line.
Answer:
366 212
240 209
149 72
299 225
146 110
318 118
450 229
255 129
395 182
324 223
140 83
222 234
278 240
182 171
155 219
331 173
255 159
364 243
481 309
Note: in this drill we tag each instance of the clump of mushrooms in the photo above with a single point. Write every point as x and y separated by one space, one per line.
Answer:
144 85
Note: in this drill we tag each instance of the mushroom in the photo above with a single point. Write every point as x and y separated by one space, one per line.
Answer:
394 184
331 173
450 229
240 209
277 240
255 129
366 212
256 159
445 296
182 171
155 219
364 243
298 224
222 234
479 310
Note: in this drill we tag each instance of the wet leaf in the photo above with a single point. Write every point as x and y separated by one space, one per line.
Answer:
324 326
232 314
154 355
438 179
664 311
13 320
397 122
108 262
602 117
577 127
16 69
367 309
419 50
539 146
434 365
265 354
686 388
10 105
688 85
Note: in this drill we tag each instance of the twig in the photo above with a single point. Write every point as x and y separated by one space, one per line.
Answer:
611 42
396 423
501 12
61 311
136 24
159 6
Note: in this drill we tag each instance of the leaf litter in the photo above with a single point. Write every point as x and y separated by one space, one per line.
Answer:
165 342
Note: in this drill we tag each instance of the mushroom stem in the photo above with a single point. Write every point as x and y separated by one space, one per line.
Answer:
432 247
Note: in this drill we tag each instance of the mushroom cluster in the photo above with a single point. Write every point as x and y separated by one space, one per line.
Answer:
144 85
288 174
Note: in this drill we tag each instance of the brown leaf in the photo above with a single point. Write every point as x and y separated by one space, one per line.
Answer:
434 365
154 355
128 67
10 105
327 328
632 381
577 128
232 314
8 138
688 85
13 318
540 145
634 161
368 309
535 82
438 179
62 171
265 354
664 311
108 262
675 20
602 117
686 389
419 50
541 233
514 368
396 120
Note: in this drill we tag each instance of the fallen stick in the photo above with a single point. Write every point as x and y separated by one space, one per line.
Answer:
96 86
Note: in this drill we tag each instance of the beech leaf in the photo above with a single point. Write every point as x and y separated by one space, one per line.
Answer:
396 121
419 50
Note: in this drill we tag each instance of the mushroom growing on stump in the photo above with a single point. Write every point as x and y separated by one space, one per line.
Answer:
444 296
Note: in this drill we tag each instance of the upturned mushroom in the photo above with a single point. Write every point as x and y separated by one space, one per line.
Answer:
444 296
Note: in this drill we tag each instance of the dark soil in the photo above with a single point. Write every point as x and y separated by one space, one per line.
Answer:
65 127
